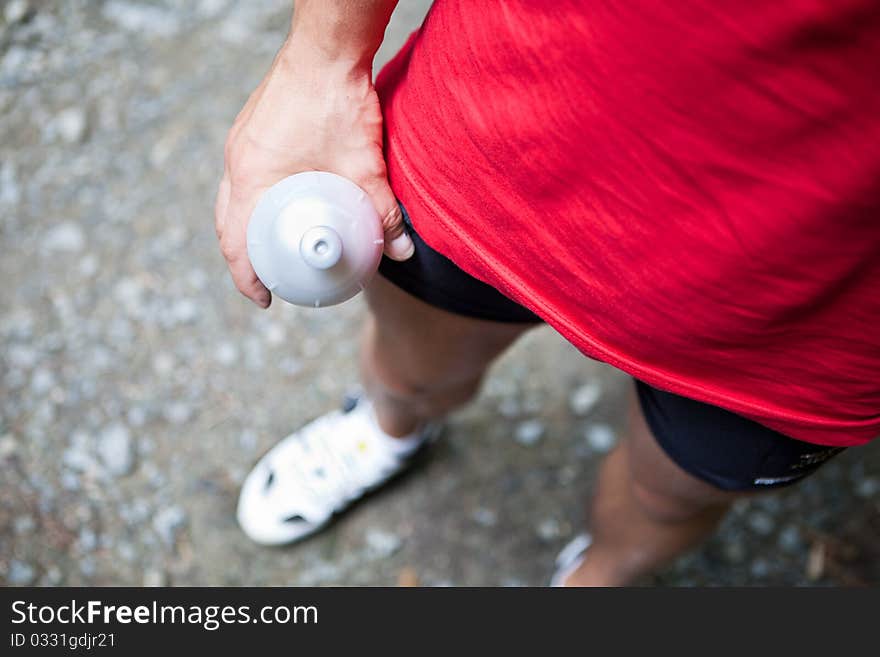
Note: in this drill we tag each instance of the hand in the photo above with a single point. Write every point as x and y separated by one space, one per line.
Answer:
308 113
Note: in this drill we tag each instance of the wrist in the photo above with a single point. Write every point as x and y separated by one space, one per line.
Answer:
336 37
301 52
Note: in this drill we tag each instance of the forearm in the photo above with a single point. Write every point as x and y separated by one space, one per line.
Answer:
341 30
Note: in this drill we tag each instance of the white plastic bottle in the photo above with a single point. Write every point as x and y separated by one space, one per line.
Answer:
315 239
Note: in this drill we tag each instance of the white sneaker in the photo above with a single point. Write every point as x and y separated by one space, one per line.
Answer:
321 469
570 558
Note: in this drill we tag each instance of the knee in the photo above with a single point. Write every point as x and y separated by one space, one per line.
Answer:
667 509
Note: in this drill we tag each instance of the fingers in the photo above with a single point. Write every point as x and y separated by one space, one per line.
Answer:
398 245
232 212
246 280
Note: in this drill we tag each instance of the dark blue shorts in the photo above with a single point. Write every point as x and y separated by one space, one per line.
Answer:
713 444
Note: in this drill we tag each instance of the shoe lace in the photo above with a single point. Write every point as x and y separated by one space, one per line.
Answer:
329 465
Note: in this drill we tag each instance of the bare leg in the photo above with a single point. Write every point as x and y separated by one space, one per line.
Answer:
419 362
645 512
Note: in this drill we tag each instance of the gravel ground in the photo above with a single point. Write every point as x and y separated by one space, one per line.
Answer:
137 387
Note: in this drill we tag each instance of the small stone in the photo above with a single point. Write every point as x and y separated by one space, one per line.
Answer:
868 487
10 190
290 366
816 561
226 354
163 363
485 517
141 19
499 386
53 576
185 311
168 523
247 440
78 459
87 540
583 399
23 524
88 567
790 539
116 450
16 11
23 356
548 529
177 412
128 292
136 416
69 481
126 551
529 432
16 59
20 573
66 237
509 407
88 266
735 551
71 124
120 332
146 446
154 578
600 438
155 476
197 279
42 381
275 334
761 523
135 513
382 544
567 475
322 572
760 568
311 347
741 506
8 445
211 8
163 149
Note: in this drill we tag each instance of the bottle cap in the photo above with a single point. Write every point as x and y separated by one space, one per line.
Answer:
315 239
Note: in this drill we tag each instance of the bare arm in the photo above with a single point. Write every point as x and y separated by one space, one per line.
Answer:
316 109
343 29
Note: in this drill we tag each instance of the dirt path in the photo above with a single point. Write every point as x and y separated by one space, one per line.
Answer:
136 387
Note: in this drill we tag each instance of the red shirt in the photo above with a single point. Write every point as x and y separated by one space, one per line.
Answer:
689 191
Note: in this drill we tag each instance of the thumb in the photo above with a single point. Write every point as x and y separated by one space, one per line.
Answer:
398 245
